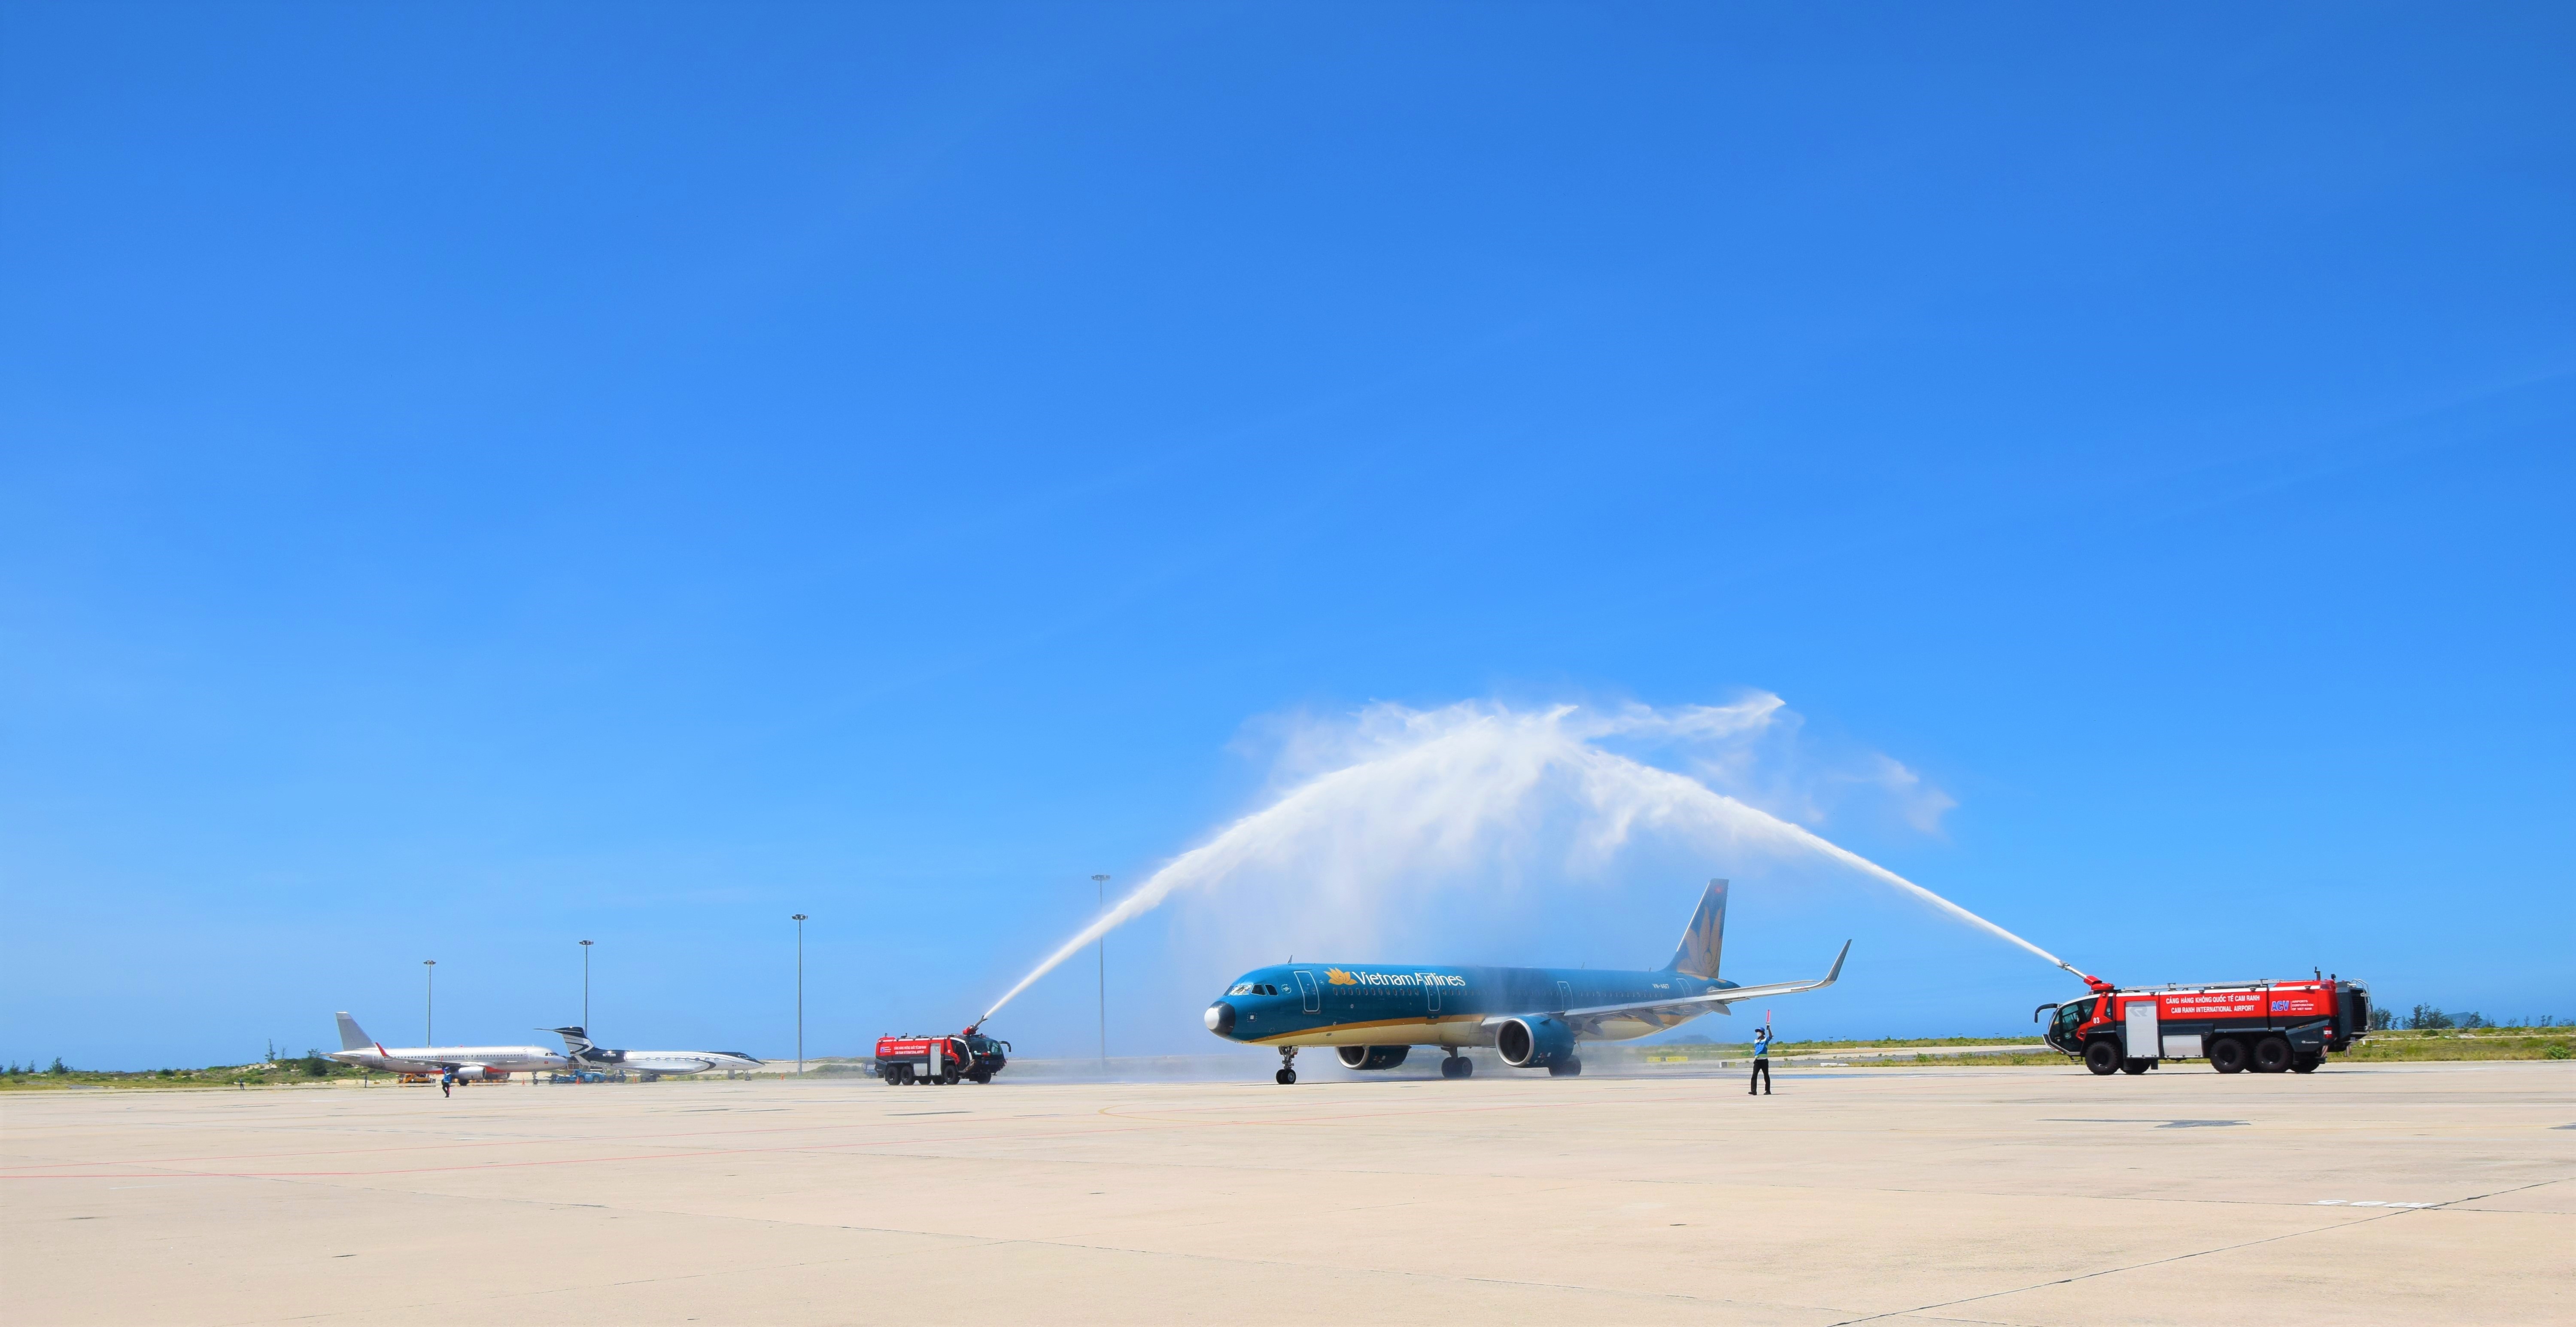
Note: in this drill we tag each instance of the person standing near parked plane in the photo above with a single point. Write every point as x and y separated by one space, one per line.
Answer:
1761 1061
447 1082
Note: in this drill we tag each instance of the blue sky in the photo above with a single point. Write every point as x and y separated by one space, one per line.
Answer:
473 478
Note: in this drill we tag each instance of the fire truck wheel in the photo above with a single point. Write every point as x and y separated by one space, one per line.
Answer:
2271 1055
2102 1058
2227 1055
2136 1066
1285 1076
2306 1064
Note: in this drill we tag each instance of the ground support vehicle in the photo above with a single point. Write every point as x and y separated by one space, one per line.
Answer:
969 1056
2266 1026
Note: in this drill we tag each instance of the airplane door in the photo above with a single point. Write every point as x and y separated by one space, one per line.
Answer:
1314 997
2143 1042
1564 996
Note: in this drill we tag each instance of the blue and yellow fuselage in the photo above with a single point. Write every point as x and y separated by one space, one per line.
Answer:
1380 1004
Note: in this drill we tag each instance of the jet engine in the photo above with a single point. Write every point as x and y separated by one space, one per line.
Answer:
1534 1041
1372 1057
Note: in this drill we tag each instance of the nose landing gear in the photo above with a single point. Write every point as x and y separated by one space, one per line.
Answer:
1287 1066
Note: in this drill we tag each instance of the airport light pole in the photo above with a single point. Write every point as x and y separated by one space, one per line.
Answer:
1101 883
799 919
429 1006
585 988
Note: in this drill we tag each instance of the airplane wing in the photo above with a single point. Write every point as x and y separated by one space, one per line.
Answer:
1714 1000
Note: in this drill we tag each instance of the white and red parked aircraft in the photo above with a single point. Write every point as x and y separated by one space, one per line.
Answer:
357 1048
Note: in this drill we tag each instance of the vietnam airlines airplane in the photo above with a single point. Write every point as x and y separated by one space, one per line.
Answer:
482 1061
1372 1014
650 1064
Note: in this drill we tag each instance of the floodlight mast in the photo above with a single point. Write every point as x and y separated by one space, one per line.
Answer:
799 919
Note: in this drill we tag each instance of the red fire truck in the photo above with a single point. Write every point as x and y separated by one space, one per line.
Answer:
967 1055
2266 1026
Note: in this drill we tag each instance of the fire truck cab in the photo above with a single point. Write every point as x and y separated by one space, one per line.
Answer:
2266 1026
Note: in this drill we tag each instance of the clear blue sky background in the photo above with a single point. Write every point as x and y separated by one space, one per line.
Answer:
477 477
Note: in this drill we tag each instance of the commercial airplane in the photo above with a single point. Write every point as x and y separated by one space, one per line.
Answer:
484 1061
650 1064
1373 1013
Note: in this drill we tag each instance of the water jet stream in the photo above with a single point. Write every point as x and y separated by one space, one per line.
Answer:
1435 783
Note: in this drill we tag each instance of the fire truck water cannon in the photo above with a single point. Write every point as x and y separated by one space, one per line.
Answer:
2266 1026
967 1056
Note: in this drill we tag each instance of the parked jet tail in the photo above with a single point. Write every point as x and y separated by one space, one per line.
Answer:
353 1037
1697 955
576 1041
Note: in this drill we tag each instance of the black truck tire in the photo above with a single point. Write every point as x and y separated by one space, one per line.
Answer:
2136 1066
2227 1055
2102 1057
2306 1064
2272 1055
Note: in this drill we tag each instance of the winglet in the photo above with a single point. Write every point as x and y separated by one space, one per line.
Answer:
1830 977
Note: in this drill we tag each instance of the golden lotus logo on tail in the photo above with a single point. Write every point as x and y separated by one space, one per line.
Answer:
1340 978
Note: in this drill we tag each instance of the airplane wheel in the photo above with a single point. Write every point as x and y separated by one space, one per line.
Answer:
1466 1067
1285 1076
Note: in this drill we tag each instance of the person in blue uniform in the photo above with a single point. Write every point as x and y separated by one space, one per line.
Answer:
1761 1062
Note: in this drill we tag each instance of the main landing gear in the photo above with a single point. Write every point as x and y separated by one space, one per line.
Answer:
1287 1066
1456 1066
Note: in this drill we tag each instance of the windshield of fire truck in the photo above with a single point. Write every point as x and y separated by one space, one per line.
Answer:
2071 1016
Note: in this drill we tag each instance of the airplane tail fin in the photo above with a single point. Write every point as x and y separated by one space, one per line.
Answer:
576 1040
1697 954
352 1037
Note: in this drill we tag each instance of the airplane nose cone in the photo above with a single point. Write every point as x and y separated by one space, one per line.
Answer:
1220 1019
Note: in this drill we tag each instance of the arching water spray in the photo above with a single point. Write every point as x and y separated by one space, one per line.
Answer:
1407 788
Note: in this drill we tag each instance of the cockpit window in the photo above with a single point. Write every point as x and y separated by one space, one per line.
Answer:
1241 988
1268 989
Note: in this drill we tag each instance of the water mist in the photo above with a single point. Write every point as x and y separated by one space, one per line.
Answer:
1395 795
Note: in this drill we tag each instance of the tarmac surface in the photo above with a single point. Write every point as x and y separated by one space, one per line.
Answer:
2404 1193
